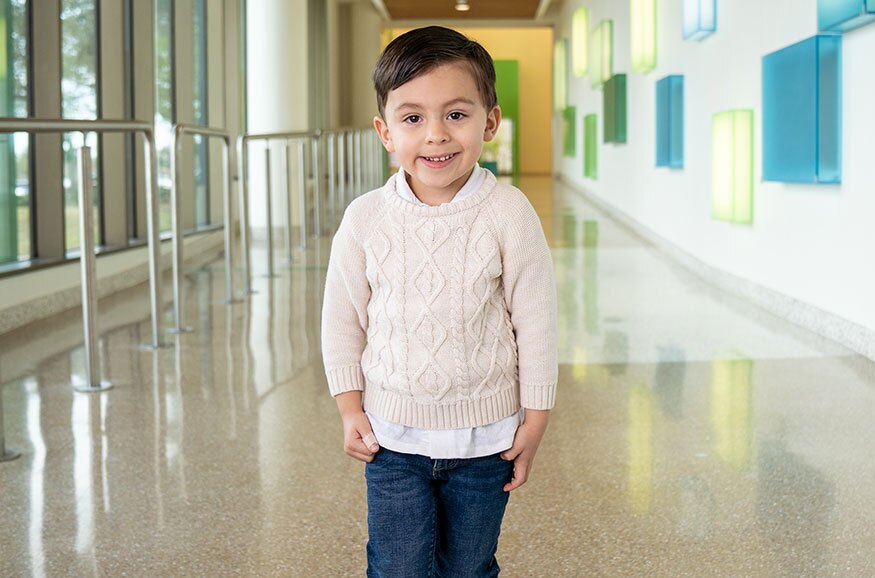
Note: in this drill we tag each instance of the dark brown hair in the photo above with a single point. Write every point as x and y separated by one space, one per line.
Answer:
421 50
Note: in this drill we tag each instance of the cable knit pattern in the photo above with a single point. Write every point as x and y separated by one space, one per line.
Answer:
444 316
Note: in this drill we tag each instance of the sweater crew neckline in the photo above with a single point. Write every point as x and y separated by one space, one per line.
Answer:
391 195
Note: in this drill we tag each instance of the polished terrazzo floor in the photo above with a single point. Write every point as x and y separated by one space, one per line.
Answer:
694 435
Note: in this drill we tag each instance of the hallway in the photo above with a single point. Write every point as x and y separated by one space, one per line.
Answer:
693 435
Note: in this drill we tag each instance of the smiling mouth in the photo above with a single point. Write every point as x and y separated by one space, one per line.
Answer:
440 159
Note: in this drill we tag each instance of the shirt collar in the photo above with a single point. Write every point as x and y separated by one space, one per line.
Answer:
474 182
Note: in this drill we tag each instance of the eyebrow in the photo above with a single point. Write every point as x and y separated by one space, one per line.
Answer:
460 100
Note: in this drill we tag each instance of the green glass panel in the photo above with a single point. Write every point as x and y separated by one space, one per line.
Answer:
590 150
507 88
614 101
569 134
732 166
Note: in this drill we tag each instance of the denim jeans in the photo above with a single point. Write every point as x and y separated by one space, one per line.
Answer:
434 518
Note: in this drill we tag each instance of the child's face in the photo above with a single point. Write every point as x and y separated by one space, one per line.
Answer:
437 124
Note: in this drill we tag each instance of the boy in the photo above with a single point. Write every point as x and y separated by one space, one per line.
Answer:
439 311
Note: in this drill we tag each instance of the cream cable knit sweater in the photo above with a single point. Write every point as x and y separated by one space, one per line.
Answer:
444 316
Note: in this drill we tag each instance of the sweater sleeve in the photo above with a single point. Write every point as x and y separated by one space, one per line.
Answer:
530 296
344 311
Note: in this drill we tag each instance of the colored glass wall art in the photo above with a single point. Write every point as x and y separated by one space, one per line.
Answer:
602 53
579 42
569 134
670 122
507 88
699 19
732 166
590 146
614 101
560 75
802 112
844 15
643 35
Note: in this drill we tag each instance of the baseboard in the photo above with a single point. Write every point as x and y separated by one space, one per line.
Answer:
852 335
133 271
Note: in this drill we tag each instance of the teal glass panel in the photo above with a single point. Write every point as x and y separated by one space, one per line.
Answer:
699 19
569 135
670 122
614 101
844 15
802 112
590 147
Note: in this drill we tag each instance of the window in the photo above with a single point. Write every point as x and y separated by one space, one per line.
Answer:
15 197
164 109
199 104
79 39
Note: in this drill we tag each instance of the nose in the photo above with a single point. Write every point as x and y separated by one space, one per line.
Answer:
436 133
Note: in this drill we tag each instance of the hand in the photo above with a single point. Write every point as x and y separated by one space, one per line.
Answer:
525 445
358 437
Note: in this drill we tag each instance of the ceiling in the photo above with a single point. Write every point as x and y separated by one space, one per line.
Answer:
444 9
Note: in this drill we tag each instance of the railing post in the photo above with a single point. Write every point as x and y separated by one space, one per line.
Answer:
269 215
154 241
302 187
358 164
341 173
176 226
93 382
317 186
351 166
332 189
287 163
227 205
243 149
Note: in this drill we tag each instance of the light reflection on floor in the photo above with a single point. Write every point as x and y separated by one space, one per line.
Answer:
694 435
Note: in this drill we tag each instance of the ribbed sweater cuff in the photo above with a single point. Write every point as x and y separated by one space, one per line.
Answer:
538 396
343 379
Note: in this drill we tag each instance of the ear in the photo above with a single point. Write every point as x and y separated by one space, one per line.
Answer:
383 132
493 119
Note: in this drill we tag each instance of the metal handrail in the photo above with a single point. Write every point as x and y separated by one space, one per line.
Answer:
350 175
35 125
180 130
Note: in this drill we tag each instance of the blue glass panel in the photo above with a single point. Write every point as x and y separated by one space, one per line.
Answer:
670 122
699 19
844 15
802 112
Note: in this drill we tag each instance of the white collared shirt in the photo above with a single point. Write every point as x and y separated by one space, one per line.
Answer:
472 442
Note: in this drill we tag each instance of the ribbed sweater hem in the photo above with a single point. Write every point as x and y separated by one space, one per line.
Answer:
394 408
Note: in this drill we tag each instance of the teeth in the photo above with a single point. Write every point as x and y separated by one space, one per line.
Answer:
440 159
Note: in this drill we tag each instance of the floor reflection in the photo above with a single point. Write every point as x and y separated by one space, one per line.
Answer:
693 435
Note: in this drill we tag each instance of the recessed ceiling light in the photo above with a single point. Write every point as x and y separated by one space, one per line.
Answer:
462 5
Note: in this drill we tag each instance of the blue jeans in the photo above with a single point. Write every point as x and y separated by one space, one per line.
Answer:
434 517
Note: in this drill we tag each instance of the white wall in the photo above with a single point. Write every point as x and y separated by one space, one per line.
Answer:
812 243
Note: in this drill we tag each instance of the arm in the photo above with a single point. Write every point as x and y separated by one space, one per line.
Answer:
530 296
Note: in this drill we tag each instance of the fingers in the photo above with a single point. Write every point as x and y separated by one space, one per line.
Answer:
511 454
521 469
362 446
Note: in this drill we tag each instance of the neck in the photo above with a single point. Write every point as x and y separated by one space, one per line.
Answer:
434 198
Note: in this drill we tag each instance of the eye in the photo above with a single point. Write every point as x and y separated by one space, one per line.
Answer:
412 119
456 115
